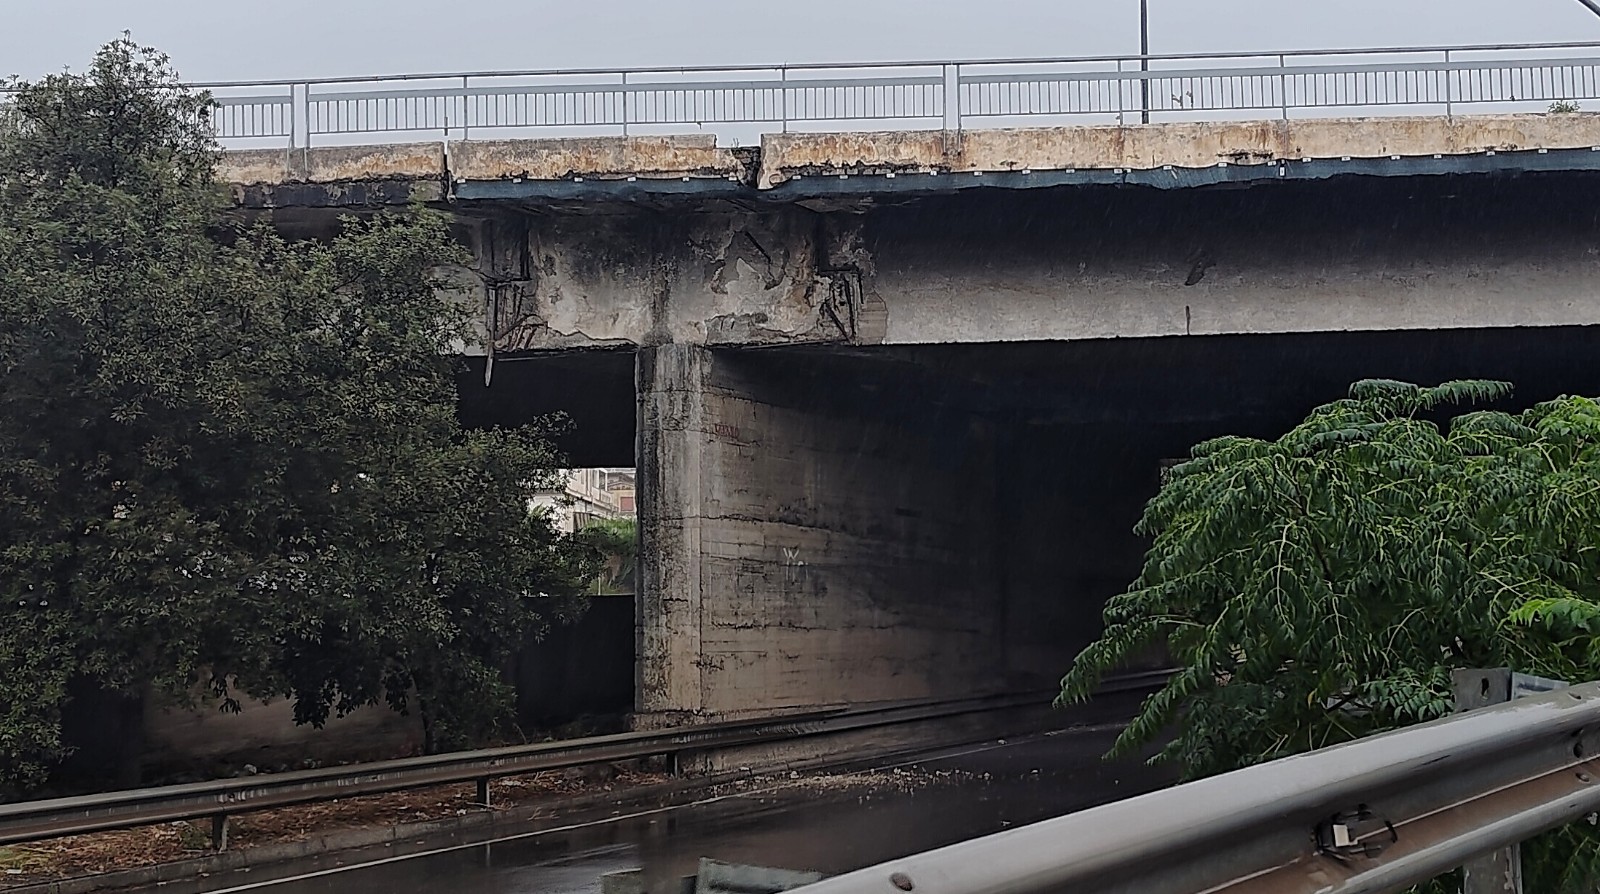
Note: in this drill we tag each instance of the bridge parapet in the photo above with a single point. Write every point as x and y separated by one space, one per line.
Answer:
797 166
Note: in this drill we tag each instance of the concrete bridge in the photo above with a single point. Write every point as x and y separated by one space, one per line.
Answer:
896 399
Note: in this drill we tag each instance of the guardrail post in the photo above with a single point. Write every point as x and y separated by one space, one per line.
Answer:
483 792
1499 872
219 832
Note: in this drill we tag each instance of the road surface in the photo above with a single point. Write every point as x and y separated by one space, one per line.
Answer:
826 826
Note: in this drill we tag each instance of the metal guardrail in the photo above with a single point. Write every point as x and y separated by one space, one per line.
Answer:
944 94
219 799
1372 815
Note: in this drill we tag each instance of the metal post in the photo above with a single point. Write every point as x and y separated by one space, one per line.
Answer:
1121 118
624 112
1144 60
464 110
955 87
483 793
303 106
944 96
1449 87
1499 872
1283 85
219 832
783 97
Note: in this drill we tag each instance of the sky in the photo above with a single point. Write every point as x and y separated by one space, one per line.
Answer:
225 40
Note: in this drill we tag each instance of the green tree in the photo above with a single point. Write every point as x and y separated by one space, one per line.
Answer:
1322 586
231 459
617 539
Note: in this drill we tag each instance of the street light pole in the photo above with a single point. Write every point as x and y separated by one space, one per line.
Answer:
1144 55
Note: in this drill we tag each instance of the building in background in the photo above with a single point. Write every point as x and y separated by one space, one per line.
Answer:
588 495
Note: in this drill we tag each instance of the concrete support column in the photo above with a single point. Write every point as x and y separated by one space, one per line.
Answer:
801 548
671 387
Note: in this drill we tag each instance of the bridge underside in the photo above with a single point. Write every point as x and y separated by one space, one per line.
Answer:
832 524
895 448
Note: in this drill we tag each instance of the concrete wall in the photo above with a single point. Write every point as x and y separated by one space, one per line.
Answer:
797 553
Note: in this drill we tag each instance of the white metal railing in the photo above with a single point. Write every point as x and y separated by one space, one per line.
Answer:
934 94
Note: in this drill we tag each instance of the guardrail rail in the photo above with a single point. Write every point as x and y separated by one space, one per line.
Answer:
1376 814
220 799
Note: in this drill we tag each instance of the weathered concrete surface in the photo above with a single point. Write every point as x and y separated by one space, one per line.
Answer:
784 276
671 481
601 158
1150 146
339 164
1339 256
783 156
335 177
796 555
1068 264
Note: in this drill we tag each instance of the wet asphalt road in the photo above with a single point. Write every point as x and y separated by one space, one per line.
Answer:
990 787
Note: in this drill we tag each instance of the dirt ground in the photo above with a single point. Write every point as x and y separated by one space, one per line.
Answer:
150 845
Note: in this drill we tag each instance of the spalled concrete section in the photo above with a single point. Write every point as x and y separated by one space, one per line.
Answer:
1153 146
795 554
602 158
786 155
341 164
335 176
743 278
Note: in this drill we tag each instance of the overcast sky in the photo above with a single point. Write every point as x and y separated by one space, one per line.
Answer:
228 40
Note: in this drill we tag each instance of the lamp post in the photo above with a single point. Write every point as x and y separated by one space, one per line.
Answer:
1144 55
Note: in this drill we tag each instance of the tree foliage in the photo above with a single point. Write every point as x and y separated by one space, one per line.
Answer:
1322 586
617 539
231 459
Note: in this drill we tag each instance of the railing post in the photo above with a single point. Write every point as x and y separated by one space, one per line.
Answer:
783 97
302 107
1283 85
1499 872
953 99
1144 61
464 112
1449 87
624 107
1121 117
